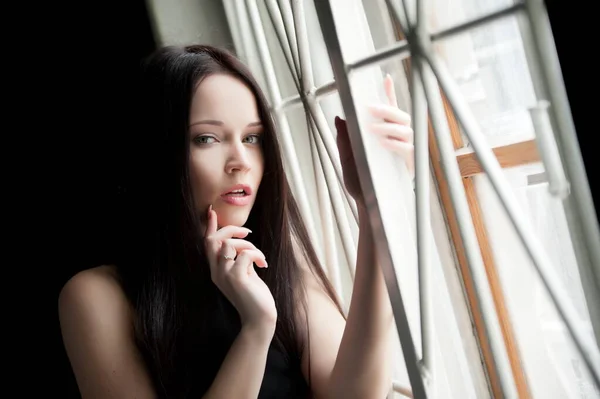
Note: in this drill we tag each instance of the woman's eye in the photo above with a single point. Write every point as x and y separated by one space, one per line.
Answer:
253 139
204 140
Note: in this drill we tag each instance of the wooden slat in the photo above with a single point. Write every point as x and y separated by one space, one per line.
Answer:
496 289
457 139
491 272
508 156
489 264
463 265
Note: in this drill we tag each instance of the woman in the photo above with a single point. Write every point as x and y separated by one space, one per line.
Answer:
219 293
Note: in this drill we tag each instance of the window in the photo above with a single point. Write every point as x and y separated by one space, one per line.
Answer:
494 77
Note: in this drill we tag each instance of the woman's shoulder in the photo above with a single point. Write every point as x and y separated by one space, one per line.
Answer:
100 280
93 295
97 330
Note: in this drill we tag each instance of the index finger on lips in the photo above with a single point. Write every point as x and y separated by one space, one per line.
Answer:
212 222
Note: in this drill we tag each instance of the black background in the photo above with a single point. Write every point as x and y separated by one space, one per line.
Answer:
91 54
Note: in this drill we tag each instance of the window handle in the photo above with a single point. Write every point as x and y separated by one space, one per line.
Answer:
558 185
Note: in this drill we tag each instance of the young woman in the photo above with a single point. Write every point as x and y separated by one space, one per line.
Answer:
219 292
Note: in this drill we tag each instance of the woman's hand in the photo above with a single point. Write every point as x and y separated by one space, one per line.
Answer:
394 133
232 271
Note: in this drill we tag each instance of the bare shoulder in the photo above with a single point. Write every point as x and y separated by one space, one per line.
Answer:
89 286
94 296
97 330
105 273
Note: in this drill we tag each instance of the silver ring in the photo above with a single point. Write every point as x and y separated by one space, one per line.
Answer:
228 257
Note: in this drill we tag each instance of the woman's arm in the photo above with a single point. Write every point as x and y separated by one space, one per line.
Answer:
362 368
351 359
242 371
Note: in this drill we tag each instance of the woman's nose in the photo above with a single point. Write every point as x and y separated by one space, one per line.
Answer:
238 159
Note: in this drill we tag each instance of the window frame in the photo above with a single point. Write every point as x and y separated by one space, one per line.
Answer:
510 155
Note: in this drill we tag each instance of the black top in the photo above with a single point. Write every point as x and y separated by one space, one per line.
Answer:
283 377
282 380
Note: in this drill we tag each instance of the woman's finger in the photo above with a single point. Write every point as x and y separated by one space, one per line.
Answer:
342 141
211 226
214 238
388 85
401 148
226 256
230 231
390 114
245 259
241 245
341 128
393 131
211 245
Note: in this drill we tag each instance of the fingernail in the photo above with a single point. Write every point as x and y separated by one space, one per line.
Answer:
249 231
209 209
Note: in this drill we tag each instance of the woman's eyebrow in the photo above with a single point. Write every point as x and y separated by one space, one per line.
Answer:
220 123
208 122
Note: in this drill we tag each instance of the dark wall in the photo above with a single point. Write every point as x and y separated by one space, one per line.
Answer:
575 29
92 159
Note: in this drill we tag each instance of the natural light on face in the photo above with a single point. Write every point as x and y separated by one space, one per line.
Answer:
226 158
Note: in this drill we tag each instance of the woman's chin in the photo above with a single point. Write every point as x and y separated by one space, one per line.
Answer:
232 218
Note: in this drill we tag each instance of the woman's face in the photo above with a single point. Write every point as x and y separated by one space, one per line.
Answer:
226 158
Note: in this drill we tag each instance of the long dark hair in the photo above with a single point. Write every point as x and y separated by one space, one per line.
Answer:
178 311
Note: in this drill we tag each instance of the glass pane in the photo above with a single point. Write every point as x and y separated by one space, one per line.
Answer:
490 66
447 13
383 28
552 364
